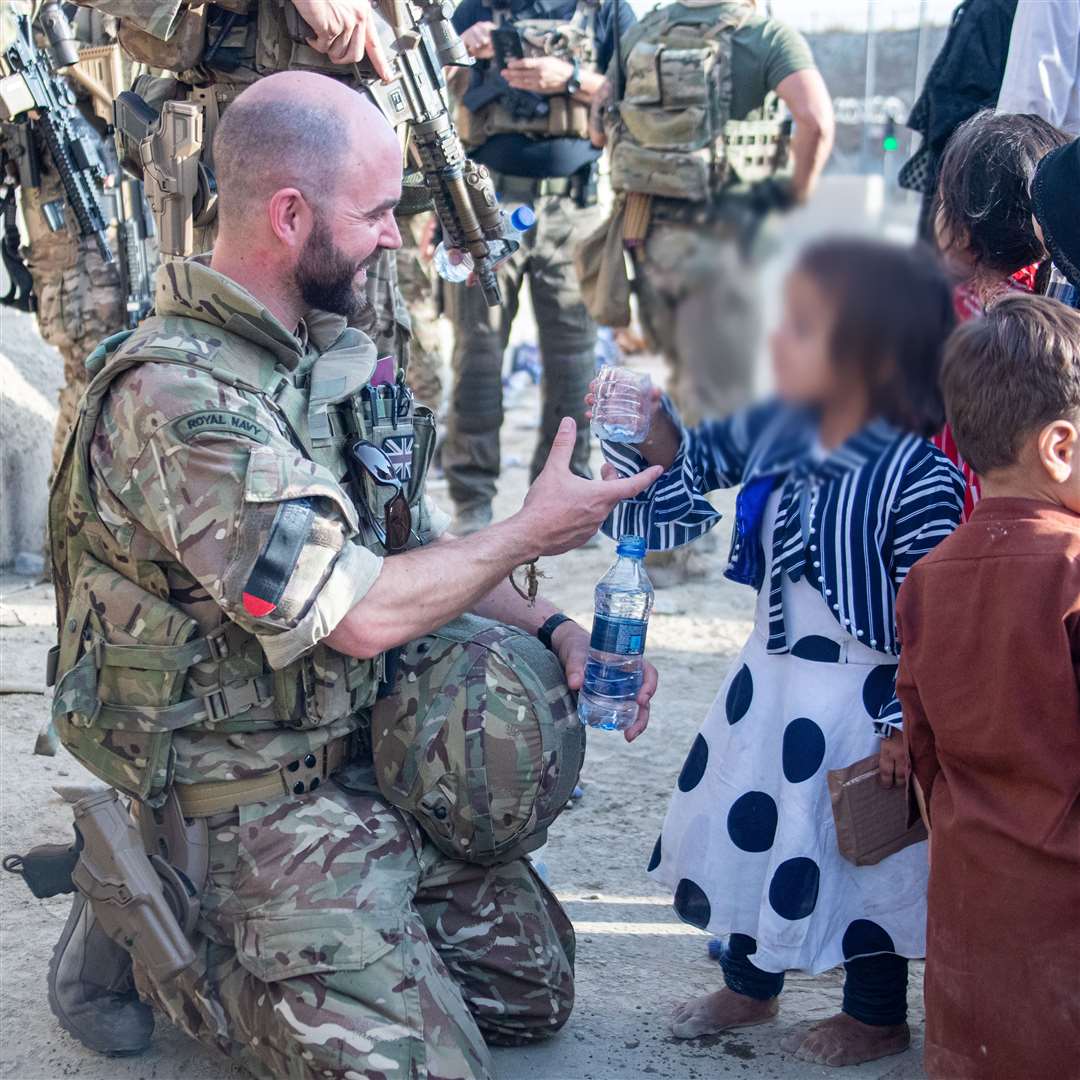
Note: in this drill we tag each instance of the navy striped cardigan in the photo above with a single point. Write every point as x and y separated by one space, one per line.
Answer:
853 523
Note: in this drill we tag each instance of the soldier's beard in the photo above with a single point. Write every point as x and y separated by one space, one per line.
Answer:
326 276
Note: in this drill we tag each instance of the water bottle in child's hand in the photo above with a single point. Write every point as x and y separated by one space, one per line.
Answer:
616 666
622 411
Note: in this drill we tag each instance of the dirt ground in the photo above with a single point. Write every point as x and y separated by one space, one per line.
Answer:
635 959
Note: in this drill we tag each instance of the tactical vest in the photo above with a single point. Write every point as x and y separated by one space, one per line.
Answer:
487 110
674 137
133 667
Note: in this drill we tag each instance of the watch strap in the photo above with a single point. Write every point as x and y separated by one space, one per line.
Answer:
549 628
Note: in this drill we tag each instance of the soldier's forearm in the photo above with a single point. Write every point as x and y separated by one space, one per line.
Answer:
415 594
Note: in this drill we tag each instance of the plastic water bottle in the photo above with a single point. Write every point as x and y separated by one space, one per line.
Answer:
621 413
454 265
1061 288
614 670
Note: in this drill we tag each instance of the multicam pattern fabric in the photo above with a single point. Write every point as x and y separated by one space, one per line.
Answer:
426 365
479 739
182 509
336 941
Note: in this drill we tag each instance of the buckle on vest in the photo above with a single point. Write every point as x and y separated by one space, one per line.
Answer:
227 702
217 642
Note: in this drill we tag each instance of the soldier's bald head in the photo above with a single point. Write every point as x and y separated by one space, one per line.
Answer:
293 129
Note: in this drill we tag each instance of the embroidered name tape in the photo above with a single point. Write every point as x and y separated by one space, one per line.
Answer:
198 423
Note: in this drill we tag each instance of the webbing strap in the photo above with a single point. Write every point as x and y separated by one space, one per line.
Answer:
224 703
163 657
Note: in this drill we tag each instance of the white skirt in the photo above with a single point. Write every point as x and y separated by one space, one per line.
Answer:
749 844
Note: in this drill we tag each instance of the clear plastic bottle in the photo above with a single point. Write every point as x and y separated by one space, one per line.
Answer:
614 670
621 413
455 266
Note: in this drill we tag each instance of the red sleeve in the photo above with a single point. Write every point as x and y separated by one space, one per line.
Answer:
918 734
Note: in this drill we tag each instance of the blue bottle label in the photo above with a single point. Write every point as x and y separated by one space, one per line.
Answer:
626 637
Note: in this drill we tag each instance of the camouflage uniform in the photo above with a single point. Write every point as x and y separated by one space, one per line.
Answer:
425 370
334 939
80 298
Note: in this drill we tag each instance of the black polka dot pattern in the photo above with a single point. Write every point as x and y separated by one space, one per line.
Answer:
865 938
654 859
878 689
740 694
817 648
793 891
751 822
692 904
694 767
803 750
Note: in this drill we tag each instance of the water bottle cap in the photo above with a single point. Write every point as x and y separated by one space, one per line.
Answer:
632 547
523 218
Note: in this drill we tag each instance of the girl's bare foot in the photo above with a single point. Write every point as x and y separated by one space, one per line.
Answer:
843 1040
721 1011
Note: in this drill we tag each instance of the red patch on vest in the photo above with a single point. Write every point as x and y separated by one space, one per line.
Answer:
256 606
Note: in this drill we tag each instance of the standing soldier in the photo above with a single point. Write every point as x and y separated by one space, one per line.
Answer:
699 158
525 117
78 297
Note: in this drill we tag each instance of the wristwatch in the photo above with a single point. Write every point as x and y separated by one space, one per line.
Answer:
549 628
573 84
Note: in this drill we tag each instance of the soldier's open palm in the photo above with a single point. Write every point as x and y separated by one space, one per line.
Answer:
566 510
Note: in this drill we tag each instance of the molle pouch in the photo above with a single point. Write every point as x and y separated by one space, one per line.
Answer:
325 686
667 174
183 49
124 653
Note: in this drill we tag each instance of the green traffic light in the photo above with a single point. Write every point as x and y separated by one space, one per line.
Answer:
890 142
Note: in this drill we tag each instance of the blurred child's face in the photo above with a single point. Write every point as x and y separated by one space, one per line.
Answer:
801 344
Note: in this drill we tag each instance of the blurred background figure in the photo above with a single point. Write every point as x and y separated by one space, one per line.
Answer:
1042 75
965 78
525 116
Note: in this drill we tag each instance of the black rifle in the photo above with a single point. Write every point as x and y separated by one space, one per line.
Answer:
34 86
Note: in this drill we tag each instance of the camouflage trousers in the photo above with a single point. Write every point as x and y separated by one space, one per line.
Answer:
80 299
567 339
336 941
698 299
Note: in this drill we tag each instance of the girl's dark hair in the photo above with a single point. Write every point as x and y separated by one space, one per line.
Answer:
984 186
894 311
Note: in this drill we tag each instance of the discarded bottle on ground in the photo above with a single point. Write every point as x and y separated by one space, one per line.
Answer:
614 671
621 411
455 265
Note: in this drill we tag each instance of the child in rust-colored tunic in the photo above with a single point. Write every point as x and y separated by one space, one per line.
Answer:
988 680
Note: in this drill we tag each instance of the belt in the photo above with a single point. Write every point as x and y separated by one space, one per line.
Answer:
295 778
526 187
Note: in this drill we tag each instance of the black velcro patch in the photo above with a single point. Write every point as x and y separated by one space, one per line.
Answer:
274 567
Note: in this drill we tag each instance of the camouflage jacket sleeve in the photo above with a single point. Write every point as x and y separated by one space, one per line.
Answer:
156 17
201 470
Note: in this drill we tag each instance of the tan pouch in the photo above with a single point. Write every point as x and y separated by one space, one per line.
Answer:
600 262
871 820
184 48
667 174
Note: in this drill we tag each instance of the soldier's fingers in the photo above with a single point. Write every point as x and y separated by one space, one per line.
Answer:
373 49
630 486
639 725
348 48
563 446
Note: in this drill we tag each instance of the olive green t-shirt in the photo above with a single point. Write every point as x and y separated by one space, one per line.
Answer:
764 52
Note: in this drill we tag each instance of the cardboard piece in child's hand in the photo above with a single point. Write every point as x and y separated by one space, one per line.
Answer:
872 822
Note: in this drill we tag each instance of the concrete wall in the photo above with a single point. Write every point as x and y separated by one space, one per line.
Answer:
31 374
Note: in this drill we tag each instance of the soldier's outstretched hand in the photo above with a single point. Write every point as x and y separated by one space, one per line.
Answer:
345 31
564 510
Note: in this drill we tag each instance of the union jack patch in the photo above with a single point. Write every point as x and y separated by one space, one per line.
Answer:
399 452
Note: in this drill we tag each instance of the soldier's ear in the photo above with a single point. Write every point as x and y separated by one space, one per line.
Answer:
290 216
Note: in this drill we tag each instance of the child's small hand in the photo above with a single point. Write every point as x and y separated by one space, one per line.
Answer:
893 762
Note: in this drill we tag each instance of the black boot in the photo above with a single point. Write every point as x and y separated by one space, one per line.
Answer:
91 990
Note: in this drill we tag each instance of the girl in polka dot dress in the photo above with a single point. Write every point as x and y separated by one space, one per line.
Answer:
841 493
